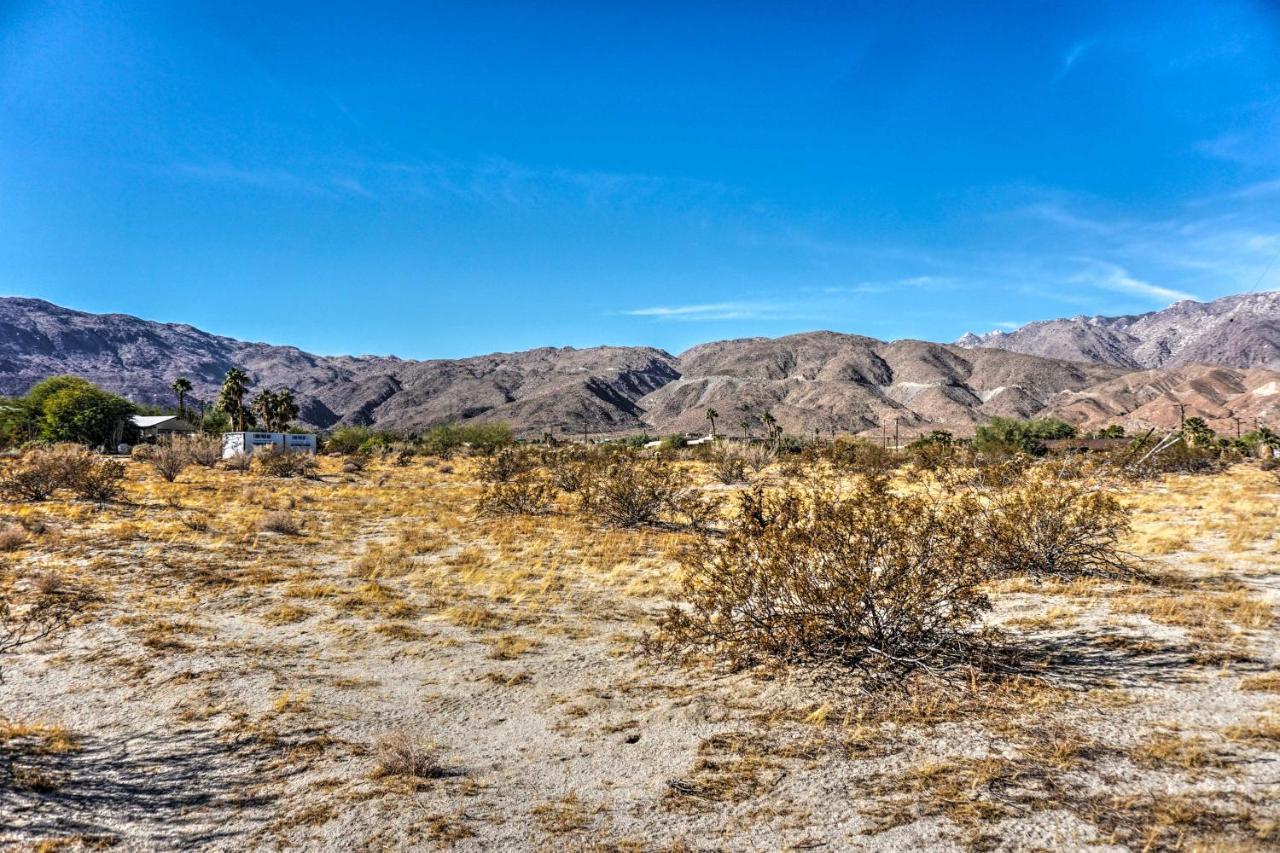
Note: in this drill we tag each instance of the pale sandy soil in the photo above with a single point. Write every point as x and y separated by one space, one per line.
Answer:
232 687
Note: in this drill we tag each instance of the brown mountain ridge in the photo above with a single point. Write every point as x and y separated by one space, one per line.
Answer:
823 381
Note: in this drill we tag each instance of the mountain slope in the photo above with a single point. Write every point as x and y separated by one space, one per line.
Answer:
824 381
1238 331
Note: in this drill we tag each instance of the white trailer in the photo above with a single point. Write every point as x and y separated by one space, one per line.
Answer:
246 443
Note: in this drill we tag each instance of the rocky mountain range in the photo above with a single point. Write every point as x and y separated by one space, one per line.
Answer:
1237 331
823 381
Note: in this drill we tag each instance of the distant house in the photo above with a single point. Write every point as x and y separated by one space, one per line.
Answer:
151 427
246 443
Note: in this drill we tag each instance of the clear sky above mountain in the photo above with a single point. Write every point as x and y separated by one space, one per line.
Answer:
443 179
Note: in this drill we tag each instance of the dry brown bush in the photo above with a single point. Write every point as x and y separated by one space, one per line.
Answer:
270 462
1048 525
48 607
505 465
12 537
404 754
279 522
854 455
238 462
569 468
631 492
169 458
42 471
523 495
204 450
728 465
872 579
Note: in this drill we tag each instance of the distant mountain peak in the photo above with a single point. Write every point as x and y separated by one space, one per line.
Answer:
1238 331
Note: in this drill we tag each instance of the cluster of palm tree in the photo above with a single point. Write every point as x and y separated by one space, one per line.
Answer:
772 429
275 409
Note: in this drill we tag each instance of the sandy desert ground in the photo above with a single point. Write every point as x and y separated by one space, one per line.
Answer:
402 672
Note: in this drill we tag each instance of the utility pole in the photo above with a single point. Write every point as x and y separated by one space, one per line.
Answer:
1182 415
884 434
895 433
1237 420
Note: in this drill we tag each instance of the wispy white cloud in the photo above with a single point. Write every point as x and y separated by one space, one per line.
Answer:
1072 56
1113 277
1006 324
715 311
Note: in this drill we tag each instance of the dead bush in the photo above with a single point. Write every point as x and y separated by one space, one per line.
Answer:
12 537
855 456
403 754
1052 526
45 608
871 579
505 465
279 522
98 479
169 458
758 456
238 462
270 462
632 492
204 450
523 495
728 465
42 471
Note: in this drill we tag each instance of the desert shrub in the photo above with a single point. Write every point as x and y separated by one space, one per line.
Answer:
758 456
270 462
204 450
1050 526
857 456
522 495
12 537
47 608
238 462
569 468
42 471
403 754
933 451
873 579
33 477
355 463
728 465
169 458
98 480
631 492
505 465
279 522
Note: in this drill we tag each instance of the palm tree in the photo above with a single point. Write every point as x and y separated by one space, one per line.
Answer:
231 396
771 424
181 387
712 414
275 409
746 427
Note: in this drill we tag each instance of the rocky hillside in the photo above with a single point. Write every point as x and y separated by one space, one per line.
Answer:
1237 331
821 381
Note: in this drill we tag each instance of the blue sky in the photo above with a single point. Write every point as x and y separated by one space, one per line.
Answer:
448 179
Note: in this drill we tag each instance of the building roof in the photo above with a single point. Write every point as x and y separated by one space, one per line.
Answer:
150 421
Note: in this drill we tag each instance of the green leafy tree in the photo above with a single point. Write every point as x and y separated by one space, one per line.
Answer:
1017 435
83 414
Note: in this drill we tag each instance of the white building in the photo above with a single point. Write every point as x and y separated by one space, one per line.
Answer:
236 443
161 426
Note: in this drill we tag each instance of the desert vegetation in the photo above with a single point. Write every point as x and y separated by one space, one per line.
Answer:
461 641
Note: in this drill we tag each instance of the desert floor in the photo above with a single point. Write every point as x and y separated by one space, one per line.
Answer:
235 688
